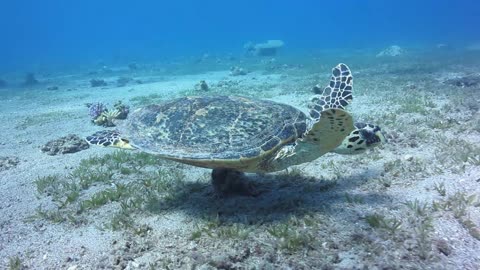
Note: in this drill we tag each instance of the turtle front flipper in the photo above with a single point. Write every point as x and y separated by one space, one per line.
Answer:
324 136
328 126
337 94
330 130
110 138
331 123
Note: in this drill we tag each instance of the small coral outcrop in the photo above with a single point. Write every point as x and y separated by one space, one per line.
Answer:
122 81
102 116
465 81
269 48
8 162
133 66
392 51
97 82
237 71
96 109
122 109
30 79
202 86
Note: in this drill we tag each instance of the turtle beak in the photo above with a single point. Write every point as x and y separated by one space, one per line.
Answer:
123 144
382 137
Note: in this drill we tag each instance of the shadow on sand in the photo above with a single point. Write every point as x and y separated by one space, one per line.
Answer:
280 197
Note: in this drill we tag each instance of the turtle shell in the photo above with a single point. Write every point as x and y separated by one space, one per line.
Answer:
207 131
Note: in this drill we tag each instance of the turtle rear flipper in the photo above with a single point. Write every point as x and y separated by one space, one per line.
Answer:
109 138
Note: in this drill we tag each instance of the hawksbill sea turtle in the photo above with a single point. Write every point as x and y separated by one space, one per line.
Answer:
234 134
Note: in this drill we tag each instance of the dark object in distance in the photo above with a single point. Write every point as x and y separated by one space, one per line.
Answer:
3 83
30 79
97 82
64 145
203 85
133 66
237 71
269 48
122 81
51 88
466 81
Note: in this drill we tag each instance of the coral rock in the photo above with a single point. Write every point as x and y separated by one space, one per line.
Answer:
391 51
3 83
466 81
122 81
8 163
202 85
97 82
237 71
64 145
96 109
269 48
30 79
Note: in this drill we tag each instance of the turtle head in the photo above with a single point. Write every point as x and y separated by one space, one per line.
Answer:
110 138
363 137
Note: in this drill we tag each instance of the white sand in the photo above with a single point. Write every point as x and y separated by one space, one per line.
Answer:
43 245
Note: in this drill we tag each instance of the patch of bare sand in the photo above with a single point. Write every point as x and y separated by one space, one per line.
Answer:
323 205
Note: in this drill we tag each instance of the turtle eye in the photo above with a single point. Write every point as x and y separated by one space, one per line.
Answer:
369 136
360 125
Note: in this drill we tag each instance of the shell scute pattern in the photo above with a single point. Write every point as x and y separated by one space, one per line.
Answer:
104 138
219 127
338 94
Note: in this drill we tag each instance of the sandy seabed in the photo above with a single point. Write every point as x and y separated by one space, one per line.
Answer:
413 203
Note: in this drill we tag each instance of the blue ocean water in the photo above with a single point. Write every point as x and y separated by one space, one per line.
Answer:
57 31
